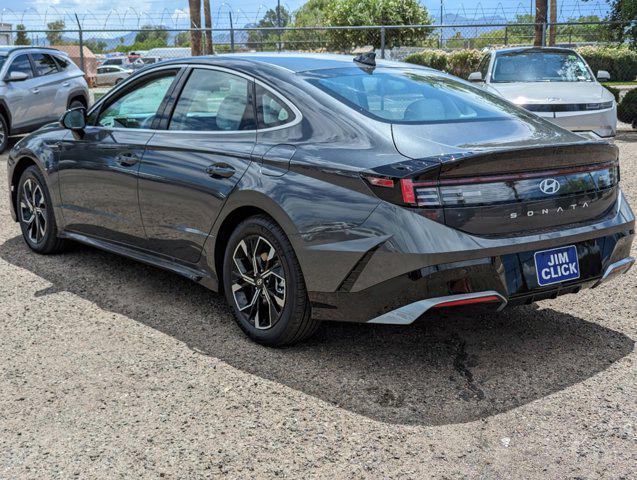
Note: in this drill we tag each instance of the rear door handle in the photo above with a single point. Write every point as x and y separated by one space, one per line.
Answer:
220 170
127 159
66 84
35 90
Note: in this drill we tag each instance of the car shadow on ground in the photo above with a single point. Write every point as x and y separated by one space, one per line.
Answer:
444 369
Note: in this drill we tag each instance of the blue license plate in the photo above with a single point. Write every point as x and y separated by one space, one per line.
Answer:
556 265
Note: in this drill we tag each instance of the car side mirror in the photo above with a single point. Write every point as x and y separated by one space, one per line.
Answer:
603 76
475 77
74 119
16 77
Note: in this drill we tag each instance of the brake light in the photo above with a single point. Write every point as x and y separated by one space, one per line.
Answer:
380 182
407 189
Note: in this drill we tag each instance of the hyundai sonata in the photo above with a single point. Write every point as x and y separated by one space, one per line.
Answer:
318 187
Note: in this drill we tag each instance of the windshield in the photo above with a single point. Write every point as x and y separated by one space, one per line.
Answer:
411 96
540 66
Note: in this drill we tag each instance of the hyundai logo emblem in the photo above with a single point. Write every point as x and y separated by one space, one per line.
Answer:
549 186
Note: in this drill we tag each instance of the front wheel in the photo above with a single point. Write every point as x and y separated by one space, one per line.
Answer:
264 284
35 213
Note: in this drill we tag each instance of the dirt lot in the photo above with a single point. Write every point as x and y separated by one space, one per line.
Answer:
109 368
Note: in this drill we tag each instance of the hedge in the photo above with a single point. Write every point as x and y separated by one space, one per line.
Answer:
627 108
458 62
620 62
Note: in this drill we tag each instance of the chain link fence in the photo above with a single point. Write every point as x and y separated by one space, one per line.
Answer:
90 48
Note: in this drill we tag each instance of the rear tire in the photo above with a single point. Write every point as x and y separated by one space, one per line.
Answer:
264 284
35 213
4 133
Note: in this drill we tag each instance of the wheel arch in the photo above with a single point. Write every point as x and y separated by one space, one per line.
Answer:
249 205
6 113
20 166
79 95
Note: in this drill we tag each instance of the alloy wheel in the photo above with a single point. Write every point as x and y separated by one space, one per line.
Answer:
33 211
3 133
258 281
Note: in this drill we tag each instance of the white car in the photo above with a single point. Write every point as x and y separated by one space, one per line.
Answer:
554 83
111 75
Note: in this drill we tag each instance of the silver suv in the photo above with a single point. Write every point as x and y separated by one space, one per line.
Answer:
37 85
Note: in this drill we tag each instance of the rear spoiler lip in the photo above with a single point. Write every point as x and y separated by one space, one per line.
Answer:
509 160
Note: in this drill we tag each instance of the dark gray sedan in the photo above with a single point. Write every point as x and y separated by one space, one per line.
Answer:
317 187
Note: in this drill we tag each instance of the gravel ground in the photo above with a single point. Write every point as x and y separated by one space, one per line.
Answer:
109 369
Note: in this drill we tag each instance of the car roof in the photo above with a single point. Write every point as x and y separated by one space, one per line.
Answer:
6 49
292 62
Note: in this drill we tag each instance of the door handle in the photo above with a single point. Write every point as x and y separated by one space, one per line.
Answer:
222 170
127 159
66 84
35 90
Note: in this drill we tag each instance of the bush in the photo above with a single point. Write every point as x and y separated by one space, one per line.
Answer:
627 108
459 62
430 58
613 90
620 62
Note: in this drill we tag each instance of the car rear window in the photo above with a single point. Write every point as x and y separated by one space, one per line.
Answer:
411 96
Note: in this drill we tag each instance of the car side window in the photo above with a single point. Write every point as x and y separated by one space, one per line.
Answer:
21 64
62 63
137 108
213 100
271 110
44 64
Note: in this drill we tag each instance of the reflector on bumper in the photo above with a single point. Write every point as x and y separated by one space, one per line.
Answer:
615 269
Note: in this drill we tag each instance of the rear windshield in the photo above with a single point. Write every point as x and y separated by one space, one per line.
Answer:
411 96
540 66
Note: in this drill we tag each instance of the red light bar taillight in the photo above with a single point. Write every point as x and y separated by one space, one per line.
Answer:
407 189
469 301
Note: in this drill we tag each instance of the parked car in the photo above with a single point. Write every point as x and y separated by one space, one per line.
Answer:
111 75
38 85
144 61
121 61
554 83
315 187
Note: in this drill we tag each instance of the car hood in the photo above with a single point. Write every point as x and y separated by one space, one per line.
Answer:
551 92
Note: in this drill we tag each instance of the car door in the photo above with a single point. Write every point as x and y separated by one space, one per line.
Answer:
48 80
99 166
191 166
19 96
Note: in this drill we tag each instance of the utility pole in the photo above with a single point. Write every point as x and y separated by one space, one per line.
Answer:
552 22
195 26
541 10
210 49
278 23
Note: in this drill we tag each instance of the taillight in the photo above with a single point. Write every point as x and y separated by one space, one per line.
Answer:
407 189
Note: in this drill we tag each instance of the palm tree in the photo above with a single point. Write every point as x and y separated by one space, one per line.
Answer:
195 24
541 10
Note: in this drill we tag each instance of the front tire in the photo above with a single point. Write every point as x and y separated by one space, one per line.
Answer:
35 213
264 284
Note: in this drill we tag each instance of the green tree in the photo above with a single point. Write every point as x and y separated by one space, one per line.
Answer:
182 39
624 12
54 32
95 46
267 39
377 12
312 14
152 33
21 35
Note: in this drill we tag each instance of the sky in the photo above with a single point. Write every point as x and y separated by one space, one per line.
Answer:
97 13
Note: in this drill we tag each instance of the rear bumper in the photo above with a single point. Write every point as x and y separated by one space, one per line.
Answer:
490 282
398 258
